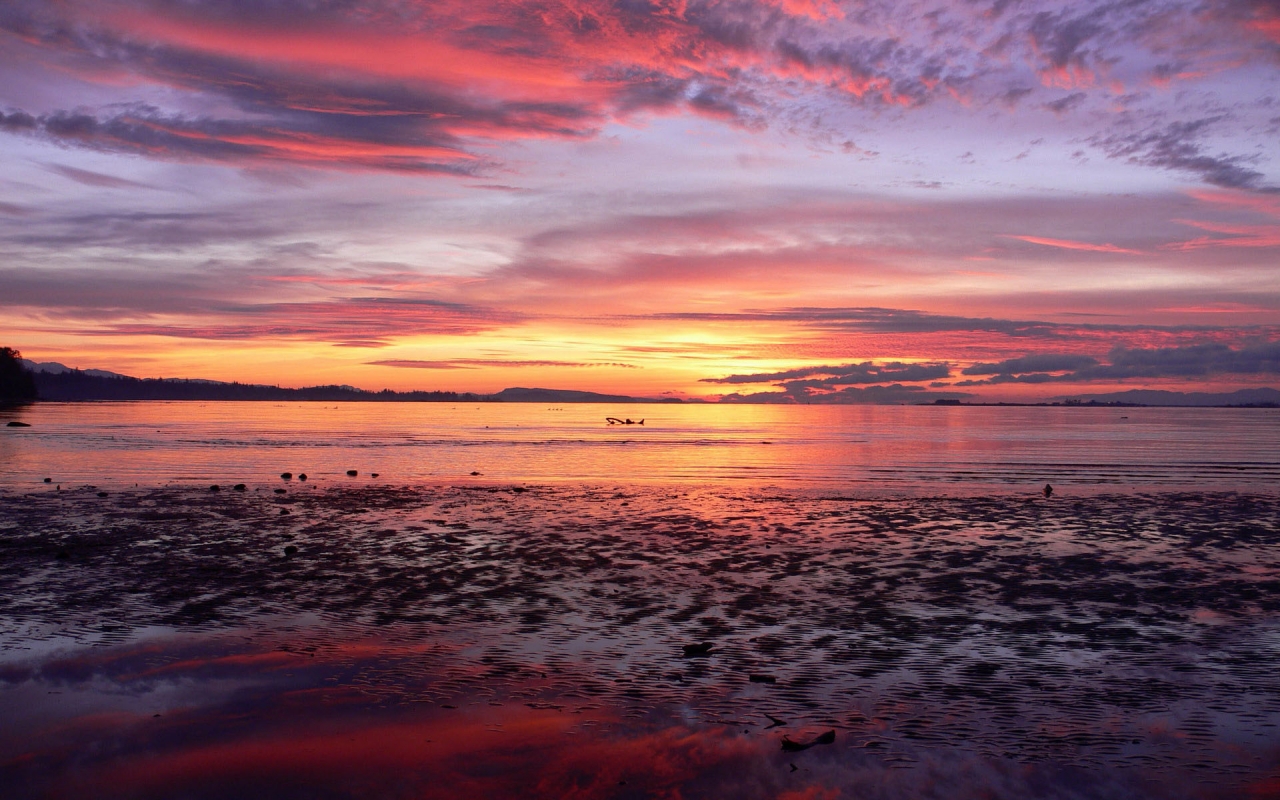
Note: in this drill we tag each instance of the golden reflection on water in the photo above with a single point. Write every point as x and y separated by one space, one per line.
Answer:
911 449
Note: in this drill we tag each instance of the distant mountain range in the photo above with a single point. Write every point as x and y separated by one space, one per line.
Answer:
54 368
58 382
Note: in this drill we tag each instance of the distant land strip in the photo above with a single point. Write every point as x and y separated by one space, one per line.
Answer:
58 383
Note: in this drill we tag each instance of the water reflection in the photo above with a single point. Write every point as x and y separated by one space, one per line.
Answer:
907 449
213 716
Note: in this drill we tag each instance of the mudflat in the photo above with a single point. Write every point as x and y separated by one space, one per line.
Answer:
424 641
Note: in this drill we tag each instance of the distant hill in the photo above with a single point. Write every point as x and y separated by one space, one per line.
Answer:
54 368
521 395
1156 397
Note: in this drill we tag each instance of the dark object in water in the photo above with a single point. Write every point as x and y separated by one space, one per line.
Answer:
1048 490
239 487
215 488
351 473
693 650
48 480
290 551
284 511
63 555
102 494
302 477
774 722
791 747
982 669
288 476
475 473
373 474
793 767
16 424
280 491
627 421
763 679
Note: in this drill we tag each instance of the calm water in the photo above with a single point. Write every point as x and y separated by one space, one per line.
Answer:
906 449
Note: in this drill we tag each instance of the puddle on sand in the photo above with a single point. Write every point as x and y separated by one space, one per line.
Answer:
222 716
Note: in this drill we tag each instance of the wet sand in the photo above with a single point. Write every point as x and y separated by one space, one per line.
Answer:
391 641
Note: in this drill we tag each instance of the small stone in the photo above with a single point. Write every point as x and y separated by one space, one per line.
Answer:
102 494
351 473
281 491
290 551
288 476
302 477
791 747
284 511
694 650
239 487
474 474
48 480
16 424
373 474
763 679
215 488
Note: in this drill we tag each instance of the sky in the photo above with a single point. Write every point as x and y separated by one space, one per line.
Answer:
767 200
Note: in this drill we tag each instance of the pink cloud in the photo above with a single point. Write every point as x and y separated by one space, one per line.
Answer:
1234 236
1067 244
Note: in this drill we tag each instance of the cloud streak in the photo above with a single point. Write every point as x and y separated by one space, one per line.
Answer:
847 374
1191 361
477 363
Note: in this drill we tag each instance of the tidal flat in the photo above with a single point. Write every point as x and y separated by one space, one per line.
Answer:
598 641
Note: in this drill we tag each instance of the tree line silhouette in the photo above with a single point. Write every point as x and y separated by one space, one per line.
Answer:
20 385
17 384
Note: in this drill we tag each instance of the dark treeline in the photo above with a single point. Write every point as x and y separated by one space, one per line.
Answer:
17 385
76 385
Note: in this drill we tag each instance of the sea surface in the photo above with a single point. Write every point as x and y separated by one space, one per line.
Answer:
907 450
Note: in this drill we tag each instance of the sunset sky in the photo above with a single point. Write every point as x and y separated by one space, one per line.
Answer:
832 201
